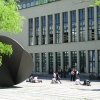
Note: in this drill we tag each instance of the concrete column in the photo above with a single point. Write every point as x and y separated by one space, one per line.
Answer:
77 24
95 22
47 63
53 28
61 29
40 35
46 42
40 63
87 68
78 61
61 60
96 62
54 61
86 25
69 27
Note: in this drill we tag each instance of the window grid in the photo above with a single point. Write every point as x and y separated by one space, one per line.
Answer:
73 26
91 34
81 25
37 62
57 28
65 27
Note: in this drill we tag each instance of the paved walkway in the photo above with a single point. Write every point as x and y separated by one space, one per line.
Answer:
46 91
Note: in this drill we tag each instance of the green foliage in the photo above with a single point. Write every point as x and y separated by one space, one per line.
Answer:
5 49
10 19
96 2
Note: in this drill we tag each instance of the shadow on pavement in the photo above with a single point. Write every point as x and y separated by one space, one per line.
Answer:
13 87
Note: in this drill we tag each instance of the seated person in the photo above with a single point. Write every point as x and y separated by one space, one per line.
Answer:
77 81
36 80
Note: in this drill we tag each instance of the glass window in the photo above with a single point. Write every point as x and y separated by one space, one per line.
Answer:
98 23
50 29
65 27
37 62
30 22
73 59
91 31
57 28
81 24
43 28
82 61
99 61
43 62
37 30
65 60
73 26
58 61
91 61
50 62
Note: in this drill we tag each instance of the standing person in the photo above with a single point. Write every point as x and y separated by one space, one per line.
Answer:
58 77
74 76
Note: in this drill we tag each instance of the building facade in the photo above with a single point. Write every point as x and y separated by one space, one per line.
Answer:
60 34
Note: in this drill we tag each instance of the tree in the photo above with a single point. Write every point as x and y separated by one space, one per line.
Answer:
96 2
11 22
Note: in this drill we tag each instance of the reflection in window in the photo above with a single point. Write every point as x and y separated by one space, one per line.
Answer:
82 25
82 61
91 61
43 62
30 22
50 29
57 28
65 27
37 30
73 59
73 26
58 61
65 60
98 23
50 62
91 34
43 28
37 62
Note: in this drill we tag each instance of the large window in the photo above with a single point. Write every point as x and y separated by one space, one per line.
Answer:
73 59
57 28
99 62
81 24
37 62
37 30
58 61
65 27
73 26
98 23
82 61
91 61
50 62
43 28
50 29
30 22
65 60
43 62
91 31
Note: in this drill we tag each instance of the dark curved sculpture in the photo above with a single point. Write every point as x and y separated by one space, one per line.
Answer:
18 67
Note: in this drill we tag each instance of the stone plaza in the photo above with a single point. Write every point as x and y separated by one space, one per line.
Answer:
47 91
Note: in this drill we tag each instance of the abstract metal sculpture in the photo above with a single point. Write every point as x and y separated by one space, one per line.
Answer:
18 67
